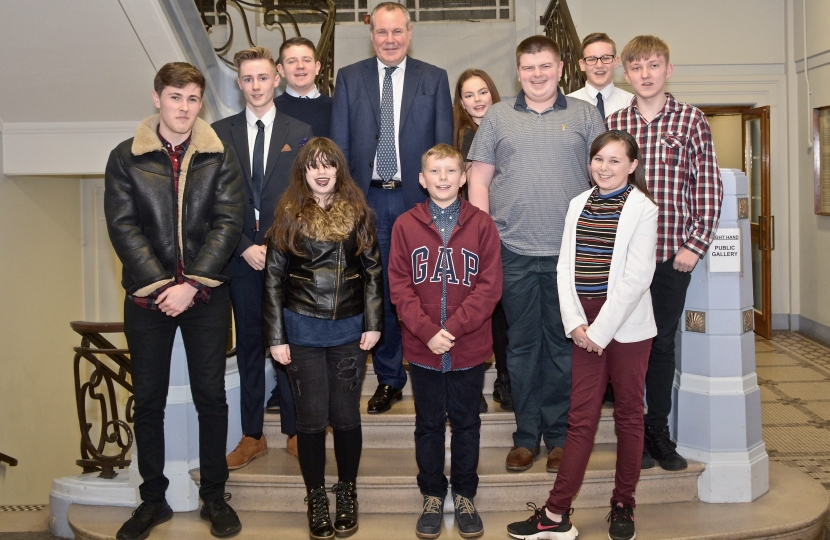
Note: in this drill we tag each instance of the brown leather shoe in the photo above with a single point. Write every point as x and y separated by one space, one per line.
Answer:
554 459
246 451
291 446
520 458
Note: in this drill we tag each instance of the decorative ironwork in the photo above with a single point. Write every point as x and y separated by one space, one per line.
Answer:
98 390
8 459
748 317
276 15
559 26
743 208
696 321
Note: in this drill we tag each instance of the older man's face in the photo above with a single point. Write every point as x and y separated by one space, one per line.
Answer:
390 36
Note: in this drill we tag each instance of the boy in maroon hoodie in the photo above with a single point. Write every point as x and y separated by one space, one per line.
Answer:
445 278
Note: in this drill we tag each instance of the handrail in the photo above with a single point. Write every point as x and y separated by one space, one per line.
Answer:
559 26
8 459
272 10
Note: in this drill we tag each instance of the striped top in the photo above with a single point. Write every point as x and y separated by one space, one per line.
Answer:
596 230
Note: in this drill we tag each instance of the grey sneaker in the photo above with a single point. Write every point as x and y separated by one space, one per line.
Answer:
429 524
467 518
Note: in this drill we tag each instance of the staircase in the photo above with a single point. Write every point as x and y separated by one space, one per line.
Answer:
269 492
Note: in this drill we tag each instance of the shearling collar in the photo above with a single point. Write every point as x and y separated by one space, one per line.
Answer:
332 225
203 139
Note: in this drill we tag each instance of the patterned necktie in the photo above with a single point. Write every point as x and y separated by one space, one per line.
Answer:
600 105
258 169
387 158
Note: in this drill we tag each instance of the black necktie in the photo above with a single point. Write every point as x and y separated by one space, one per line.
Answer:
258 171
600 105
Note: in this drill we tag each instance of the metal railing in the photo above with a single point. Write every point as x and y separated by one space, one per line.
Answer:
559 26
8 459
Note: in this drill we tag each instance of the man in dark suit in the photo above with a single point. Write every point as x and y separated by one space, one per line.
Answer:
266 142
389 110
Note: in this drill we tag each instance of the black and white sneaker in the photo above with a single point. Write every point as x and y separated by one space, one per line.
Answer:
658 443
429 524
540 526
467 518
621 518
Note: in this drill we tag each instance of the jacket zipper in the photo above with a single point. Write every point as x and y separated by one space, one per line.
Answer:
337 286
299 277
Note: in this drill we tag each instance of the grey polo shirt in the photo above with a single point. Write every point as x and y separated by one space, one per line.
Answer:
541 164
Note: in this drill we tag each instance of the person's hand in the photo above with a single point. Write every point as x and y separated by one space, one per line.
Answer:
369 339
175 300
281 354
590 346
441 342
580 336
685 260
255 257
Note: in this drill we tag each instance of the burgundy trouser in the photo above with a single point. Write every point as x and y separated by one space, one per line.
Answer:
626 363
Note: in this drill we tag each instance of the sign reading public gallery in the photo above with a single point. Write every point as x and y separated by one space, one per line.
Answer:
725 252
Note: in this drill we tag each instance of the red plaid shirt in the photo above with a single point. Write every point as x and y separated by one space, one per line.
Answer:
681 172
203 292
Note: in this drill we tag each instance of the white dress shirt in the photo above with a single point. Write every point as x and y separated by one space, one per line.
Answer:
613 98
268 120
313 94
397 97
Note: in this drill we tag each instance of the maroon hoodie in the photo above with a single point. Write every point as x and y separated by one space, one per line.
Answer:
473 288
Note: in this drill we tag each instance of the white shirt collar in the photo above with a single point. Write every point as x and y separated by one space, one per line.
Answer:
313 94
606 92
401 67
267 118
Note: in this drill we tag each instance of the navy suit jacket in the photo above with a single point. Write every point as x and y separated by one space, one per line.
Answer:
426 120
286 135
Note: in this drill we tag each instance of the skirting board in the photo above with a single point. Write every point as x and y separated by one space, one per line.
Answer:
799 323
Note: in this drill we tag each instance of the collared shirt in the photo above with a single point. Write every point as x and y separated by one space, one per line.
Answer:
397 97
541 162
313 94
681 172
250 120
613 98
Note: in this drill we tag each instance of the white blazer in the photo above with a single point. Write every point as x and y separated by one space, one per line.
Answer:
627 314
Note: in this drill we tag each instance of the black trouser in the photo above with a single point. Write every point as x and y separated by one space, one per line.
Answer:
668 296
150 335
499 326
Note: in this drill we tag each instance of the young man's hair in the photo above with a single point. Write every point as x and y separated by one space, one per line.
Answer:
390 6
254 53
632 151
442 151
598 37
462 120
537 44
298 40
178 75
642 47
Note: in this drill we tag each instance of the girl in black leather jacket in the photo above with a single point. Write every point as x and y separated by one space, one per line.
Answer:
323 311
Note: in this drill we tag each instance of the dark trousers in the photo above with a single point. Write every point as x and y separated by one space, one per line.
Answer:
626 363
499 326
454 394
387 357
150 335
538 354
668 296
246 296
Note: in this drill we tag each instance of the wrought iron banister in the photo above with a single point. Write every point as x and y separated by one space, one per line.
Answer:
8 459
559 26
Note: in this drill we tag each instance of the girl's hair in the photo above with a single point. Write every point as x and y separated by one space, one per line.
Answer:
286 232
632 150
461 118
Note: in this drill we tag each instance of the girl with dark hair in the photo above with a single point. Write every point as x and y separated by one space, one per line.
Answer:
605 269
323 311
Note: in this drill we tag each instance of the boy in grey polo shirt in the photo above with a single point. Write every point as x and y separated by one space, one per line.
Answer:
530 158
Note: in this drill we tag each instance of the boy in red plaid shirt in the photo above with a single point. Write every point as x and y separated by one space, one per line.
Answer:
682 173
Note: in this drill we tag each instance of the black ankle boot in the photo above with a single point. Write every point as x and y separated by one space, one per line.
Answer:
501 392
319 522
345 522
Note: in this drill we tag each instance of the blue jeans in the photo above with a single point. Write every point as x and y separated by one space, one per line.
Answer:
437 396
538 353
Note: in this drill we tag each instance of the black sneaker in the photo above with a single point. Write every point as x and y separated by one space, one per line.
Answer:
429 524
345 521
540 526
621 518
223 520
144 518
319 521
482 405
660 446
467 518
501 392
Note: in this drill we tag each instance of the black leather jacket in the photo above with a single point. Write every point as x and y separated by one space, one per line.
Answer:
328 282
141 206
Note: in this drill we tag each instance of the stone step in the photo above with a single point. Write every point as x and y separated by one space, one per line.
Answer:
396 428
793 509
370 381
386 482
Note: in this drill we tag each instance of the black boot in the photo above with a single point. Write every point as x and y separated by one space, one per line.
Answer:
345 522
501 392
319 522
658 443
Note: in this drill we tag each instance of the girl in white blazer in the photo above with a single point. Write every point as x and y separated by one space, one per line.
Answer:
611 328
